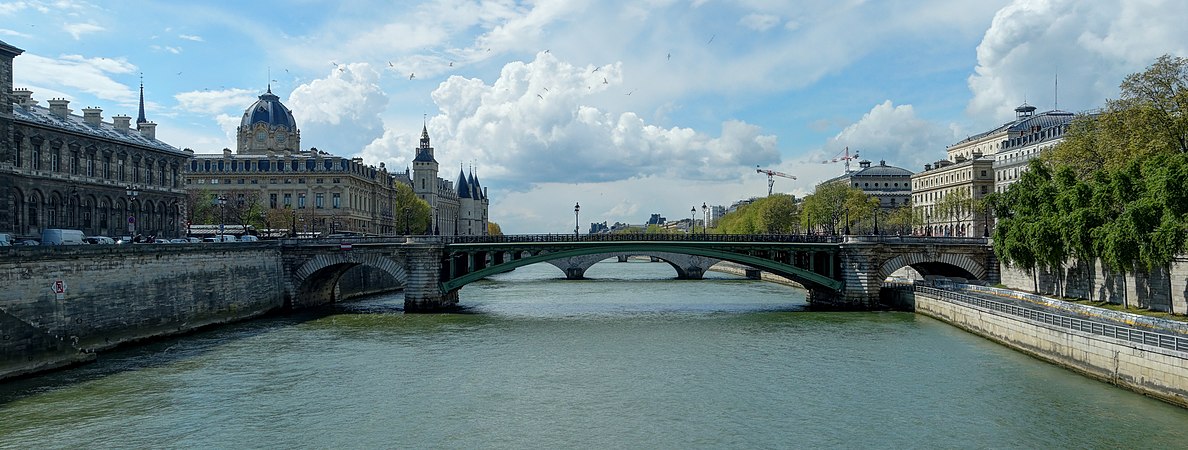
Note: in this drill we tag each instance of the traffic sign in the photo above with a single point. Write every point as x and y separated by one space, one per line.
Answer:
59 289
131 219
344 246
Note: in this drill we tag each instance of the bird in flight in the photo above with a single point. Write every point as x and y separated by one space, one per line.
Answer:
595 69
390 64
670 56
604 80
541 96
712 39
412 75
631 92
451 64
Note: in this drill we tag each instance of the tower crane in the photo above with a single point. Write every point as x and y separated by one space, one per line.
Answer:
771 174
843 155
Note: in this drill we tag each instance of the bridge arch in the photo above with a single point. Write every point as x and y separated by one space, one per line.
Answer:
315 281
809 279
686 266
946 264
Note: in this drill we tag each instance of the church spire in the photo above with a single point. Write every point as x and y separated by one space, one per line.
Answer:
140 118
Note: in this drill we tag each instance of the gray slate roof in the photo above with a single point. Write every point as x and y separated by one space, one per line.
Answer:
41 115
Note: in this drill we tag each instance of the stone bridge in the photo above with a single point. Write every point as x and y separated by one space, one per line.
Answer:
840 272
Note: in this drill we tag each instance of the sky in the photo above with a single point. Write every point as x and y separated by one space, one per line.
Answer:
627 108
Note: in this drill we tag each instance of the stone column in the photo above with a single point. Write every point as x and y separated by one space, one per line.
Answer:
422 292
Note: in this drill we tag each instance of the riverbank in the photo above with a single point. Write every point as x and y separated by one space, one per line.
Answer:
1149 360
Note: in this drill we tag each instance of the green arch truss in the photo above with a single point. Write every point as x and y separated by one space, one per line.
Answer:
801 275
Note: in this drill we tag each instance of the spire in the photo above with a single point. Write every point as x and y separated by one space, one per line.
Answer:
463 187
140 118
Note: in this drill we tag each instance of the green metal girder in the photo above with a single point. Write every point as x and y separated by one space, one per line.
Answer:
558 251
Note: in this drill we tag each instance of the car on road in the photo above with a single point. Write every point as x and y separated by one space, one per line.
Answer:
27 242
99 240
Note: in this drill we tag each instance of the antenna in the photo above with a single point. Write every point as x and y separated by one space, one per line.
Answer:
1056 92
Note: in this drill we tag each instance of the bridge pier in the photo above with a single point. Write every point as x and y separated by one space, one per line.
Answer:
575 273
422 292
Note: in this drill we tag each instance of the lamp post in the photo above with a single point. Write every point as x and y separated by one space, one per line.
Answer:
576 207
132 192
927 224
692 220
876 220
303 229
704 219
407 211
847 233
222 201
292 222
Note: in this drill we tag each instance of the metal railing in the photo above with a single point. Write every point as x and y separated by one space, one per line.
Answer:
648 237
1161 340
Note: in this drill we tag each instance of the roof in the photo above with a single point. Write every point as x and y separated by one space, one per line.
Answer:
881 170
463 187
269 109
42 116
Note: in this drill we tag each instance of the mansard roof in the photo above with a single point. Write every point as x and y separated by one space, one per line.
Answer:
41 115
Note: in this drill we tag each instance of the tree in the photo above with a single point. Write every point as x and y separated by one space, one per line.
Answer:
832 204
774 214
413 215
493 229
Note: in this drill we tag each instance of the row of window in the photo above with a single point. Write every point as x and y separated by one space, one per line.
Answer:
89 165
317 181
292 165
948 178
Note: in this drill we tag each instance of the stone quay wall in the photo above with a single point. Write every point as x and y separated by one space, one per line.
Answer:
1148 369
59 305
1161 289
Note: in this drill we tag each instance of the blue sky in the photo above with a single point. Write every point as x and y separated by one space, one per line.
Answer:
628 107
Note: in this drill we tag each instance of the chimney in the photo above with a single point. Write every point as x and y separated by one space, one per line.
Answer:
58 106
121 122
23 97
92 116
977 154
927 167
226 152
148 129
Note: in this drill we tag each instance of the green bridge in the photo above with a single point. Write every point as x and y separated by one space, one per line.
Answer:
837 271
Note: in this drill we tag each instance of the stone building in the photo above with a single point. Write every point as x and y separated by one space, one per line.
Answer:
981 164
61 170
889 184
328 193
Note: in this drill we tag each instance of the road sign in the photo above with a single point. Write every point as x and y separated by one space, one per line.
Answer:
344 246
59 288
131 219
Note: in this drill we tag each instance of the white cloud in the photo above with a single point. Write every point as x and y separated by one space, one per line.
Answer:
214 102
535 123
75 73
166 48
78 29
759 22
887 132
340 114
1091 45
191 37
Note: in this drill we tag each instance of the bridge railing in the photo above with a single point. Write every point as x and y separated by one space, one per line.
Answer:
633 237
1162 340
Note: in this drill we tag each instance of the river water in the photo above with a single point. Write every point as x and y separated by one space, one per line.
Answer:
630 359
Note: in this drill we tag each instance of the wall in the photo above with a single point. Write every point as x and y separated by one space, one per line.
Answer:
123 293
360 281
1162 289
1150 370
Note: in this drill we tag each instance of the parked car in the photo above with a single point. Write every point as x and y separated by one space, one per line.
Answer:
248 238
99 240
6 239
27 242
59 236
179 241
220 238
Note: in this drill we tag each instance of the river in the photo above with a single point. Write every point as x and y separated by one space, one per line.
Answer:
628 359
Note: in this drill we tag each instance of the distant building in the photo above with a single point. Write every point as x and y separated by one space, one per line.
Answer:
889 184
656 219
61 170
1026 139
329 193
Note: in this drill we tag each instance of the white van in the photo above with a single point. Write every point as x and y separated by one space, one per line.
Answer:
58 236
220 238
5 239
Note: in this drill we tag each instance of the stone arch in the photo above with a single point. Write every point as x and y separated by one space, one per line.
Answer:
315 280
971 268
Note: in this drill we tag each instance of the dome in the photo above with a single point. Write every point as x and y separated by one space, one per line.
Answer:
268 109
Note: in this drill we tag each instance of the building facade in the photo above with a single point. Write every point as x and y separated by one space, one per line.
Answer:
61 170
889 184
327 194
1026 140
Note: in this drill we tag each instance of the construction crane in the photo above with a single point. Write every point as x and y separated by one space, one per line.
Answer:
771 174
843 155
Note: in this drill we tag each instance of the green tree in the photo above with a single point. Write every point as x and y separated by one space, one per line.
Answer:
413 215
831 206
774 214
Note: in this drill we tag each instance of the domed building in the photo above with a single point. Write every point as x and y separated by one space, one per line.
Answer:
321 193
891 185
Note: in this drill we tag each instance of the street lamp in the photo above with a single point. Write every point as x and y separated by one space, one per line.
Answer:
132 192
704 218
576 227
692 220
847 233
407 211
876 220
927 224
222 201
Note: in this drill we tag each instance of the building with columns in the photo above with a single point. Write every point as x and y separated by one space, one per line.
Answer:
62 170
328 194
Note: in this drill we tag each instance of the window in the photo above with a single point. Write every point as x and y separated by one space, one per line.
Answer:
319 200
36 157
54 162
107 167
239 181
337 200
301 201
288 200
74 165
983 173
301 181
